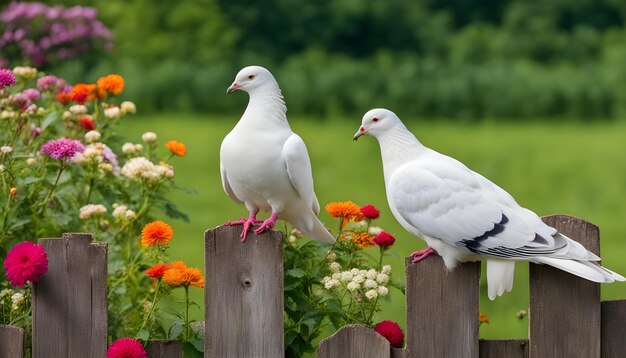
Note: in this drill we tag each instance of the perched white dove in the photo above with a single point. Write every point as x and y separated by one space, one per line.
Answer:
465 217
265 165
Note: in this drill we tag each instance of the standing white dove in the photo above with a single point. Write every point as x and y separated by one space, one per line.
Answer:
265 165
463 216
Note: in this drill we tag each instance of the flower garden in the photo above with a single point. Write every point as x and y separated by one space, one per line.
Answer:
64 167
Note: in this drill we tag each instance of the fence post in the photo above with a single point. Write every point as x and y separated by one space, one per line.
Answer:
442 309
11 342
243 294
509 348
565 309
70 300
613 332
354 341
160 348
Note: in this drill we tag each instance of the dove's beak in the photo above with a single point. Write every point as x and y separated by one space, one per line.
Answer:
232 88
360 132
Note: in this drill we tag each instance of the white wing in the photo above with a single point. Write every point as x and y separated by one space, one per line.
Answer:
445 200
226 186
298 166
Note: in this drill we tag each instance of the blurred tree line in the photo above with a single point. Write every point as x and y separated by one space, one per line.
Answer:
468 59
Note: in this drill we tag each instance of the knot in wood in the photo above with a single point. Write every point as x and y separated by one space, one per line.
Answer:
246 282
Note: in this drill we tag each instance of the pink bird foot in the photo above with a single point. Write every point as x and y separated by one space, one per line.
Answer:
247 223
267 224
422 254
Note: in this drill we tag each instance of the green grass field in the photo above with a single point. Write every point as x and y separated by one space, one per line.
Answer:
549 167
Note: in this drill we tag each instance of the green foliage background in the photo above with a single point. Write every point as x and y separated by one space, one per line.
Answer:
466 59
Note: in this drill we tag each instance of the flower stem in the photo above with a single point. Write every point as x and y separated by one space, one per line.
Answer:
45 201
187 333
154 302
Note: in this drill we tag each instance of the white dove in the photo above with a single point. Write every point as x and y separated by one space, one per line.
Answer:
465 217
265 165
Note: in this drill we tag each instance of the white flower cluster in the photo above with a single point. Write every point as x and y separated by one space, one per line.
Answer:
140 168
128 107
371 282
113 112
92 136
130 148
6 149
94 153
123 213
5 293
8 114
78 109
149 137
17 300
374 230
91 211
25 71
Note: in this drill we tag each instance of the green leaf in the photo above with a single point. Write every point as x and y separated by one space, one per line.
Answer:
143 335
296 272
172 211
198 344
176 329
190 351
49 119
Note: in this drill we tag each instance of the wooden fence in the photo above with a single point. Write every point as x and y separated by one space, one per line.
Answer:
244 306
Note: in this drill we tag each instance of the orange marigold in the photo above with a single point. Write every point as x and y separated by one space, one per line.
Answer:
184 277
363 240
83 92
483 318
176 147
113 84
157 270
346 210
178 265
156 233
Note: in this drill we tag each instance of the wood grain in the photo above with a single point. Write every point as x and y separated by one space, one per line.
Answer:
70 299
564 315
158 348
243 294
614 329
354 341
504 348
11 342
442 309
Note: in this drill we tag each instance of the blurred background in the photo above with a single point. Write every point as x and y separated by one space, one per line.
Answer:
532 94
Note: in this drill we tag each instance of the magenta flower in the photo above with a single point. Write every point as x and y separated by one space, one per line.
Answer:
50 83
26 261
31 94
126 348
392 332
63 148
7 77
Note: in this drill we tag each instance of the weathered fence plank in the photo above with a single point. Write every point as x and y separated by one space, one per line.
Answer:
499 348
565 309
442 309
11 342
70 300
158 348
613 329
243 294
354 341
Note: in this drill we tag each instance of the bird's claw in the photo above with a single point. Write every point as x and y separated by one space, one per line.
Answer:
421 254
235 222
267 224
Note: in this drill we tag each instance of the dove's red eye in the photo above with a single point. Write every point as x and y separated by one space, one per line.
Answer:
374 119
250 77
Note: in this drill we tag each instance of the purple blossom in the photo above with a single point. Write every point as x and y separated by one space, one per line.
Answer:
63 148
6 77
109 156
50 83
35 132
32 94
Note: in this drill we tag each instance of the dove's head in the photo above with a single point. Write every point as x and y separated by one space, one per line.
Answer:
376 122
251 78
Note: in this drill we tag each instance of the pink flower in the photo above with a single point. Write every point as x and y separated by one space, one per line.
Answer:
384 240
31 94
25 262
7 77
126 348
50 83
392 332
63 148
370 212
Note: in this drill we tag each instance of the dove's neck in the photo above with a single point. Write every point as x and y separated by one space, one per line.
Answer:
266 102
398 146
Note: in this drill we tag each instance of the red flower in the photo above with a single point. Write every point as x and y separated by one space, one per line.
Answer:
157 270
87 123
370 212
25 262
126 348
384 240
392 332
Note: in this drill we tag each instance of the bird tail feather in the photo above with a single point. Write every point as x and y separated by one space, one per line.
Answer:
316 230
500 275
586 269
